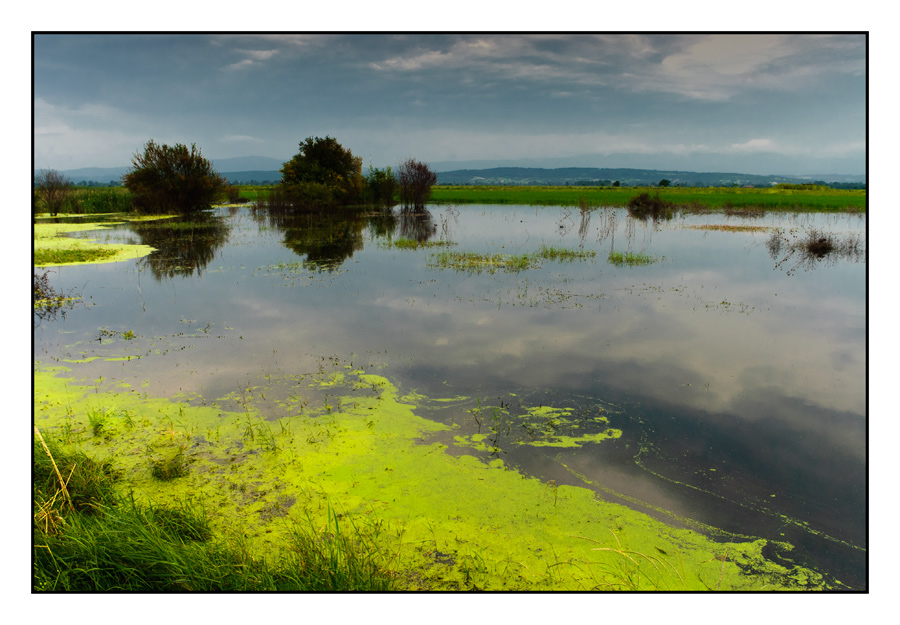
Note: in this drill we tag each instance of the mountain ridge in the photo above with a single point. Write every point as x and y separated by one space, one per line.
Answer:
245 169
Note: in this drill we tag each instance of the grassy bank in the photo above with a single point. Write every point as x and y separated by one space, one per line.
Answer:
819 199
89 537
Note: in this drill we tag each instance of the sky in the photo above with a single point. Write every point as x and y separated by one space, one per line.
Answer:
760 102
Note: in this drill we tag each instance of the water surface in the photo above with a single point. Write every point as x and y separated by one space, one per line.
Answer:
732 374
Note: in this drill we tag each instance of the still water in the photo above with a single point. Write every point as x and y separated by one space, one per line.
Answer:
733 367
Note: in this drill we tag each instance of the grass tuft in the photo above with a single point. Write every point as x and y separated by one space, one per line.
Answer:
631 259
564 255
105 542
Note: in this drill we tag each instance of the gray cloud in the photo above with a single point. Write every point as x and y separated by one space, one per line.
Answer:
444 97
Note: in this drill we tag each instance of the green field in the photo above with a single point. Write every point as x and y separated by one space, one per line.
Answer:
817 199
102 200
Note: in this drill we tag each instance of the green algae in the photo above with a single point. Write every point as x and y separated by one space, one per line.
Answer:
439 521
51 238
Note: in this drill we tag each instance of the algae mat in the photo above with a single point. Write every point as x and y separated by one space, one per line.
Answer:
440 520
52 237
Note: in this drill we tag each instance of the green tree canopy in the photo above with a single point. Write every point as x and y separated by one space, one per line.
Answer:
323 161
177 178
323 173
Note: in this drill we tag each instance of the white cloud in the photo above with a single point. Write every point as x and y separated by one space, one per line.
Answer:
240 64
755 145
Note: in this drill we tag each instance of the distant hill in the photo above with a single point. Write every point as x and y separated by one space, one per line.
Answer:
586 176
239 170
252 177
264 170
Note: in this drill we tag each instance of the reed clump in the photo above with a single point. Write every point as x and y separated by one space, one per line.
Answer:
646 206
814 246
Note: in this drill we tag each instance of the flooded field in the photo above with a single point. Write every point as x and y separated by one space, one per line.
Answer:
706 370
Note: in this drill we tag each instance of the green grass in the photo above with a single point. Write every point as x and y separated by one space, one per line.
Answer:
474 262
50 256
412 244
717 198
89 538
93 200
630 259
564 255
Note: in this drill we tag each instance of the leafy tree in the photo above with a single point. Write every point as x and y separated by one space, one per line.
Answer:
664 182
381 185
176 178
54 188
323 172
415 179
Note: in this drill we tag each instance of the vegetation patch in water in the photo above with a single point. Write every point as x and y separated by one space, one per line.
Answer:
425 518
564 254
630 259
52 247
812 247
474 262
413 244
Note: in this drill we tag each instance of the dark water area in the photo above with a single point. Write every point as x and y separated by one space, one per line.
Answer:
734 365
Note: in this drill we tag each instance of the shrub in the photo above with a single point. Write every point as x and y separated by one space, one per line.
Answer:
177 178
644 205
415 180
323 173
381 185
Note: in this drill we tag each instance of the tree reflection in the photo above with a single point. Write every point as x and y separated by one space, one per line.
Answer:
325 238
328 238
417 226
182 247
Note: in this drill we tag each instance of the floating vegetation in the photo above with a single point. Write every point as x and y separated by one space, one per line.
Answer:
474 262
631 259
404 243
565 255
126 335
66 255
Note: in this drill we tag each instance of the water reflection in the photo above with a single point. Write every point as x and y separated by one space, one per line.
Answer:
326 239
739 390
183 248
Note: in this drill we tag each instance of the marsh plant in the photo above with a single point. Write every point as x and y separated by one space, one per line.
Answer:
645 206
630 259
812 247
87 537
48 302
564 254
170 466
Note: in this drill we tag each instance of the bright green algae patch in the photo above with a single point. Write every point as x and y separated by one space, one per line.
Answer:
53 248
440 521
